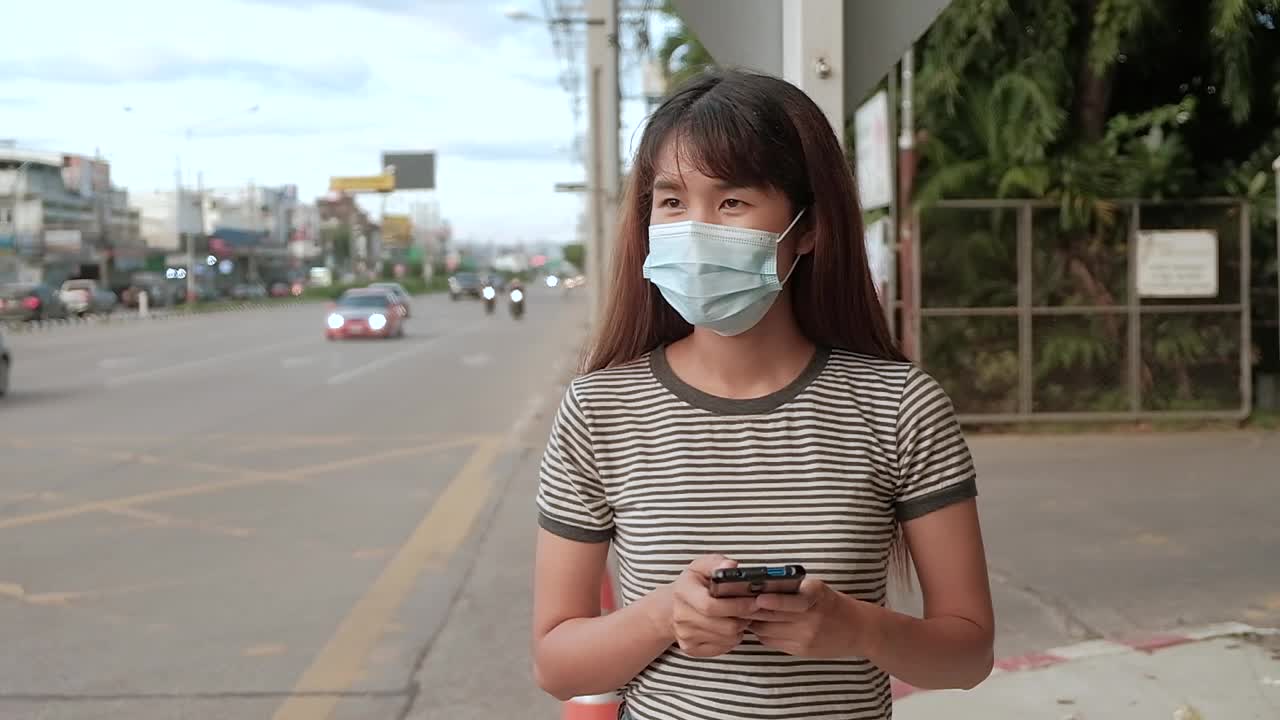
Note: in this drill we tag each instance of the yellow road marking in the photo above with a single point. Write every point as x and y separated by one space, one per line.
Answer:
249 478
341 662
166 520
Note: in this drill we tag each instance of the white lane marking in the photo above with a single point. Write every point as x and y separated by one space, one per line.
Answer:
476 360
117 363
294 362
203 362
378 364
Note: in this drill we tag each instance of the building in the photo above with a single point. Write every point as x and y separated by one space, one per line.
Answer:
344 223
60 218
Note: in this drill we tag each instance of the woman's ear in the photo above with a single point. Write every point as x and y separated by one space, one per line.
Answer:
805 243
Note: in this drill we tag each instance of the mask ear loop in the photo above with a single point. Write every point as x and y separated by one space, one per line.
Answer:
782 237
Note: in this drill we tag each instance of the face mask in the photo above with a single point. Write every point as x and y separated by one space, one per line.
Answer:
719 277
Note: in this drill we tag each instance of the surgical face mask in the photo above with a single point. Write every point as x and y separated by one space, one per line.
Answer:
719 277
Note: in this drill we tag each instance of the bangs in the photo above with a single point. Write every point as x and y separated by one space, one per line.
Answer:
738 137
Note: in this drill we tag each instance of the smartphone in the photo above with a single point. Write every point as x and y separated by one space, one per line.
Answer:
752 581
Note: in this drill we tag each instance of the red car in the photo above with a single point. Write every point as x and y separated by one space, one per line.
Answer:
364 313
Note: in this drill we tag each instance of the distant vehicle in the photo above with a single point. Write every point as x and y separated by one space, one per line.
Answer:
6 364
466 284
30 302
86 297
278 289
397 290
364 313
248 291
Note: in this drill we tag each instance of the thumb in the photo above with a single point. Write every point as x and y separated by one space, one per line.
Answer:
708 564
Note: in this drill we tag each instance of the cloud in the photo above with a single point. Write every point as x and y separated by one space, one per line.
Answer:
470 18
326 76
511 151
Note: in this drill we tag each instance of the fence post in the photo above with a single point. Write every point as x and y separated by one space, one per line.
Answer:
1246 305
1135 315
1025 347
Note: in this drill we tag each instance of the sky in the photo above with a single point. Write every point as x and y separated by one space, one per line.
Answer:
335 82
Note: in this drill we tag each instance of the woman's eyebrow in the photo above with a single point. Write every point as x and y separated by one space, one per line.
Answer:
667 184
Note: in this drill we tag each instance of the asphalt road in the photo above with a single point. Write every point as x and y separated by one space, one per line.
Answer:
227 516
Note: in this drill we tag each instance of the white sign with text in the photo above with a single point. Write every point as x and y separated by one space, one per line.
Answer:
1177 263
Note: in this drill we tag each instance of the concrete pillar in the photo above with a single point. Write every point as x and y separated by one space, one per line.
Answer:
813 56
604 174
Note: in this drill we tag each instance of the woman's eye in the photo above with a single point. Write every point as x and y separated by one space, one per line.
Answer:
731 204
670 203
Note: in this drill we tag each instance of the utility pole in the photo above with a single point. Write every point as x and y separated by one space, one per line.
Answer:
605 171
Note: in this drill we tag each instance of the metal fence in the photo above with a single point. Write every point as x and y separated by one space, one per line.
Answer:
1026 318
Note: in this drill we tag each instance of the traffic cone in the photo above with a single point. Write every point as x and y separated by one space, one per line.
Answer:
604 706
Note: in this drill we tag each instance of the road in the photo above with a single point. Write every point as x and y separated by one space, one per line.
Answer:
226 516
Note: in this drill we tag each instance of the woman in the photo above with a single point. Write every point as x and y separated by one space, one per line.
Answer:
745 405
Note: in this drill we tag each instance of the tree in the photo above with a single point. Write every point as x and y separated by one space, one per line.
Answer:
1082 101
575 254
681 55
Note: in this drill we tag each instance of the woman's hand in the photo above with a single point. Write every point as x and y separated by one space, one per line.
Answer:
816 622
705 626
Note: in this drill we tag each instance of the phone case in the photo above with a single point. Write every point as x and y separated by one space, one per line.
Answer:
756 580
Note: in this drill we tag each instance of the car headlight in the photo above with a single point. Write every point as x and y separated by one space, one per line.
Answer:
335 321
552 281
516 296
377 321
489 293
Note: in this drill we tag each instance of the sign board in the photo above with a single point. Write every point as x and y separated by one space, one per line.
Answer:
397 230
413 170
363 183
874 153
62 241
880 259
1177 263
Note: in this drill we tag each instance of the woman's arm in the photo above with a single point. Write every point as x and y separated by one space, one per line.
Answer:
951 646
577 651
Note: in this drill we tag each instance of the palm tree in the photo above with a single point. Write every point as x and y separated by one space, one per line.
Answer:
681 55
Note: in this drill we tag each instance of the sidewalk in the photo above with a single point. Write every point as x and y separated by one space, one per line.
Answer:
479 667
1217 673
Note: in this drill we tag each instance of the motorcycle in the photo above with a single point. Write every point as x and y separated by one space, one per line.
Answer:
490 298
517 303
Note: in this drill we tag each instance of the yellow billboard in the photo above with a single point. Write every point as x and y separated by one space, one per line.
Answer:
397 230
363 183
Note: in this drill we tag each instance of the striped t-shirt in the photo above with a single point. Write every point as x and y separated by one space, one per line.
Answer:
814 474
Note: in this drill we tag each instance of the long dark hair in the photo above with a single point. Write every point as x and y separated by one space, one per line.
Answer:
752 130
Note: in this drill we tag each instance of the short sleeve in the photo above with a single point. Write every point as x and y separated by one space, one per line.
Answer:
935 467
571 497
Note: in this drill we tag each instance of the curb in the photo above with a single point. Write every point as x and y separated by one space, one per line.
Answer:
121 317
1099 648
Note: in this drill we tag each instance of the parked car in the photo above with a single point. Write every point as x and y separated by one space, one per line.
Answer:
248 291
86 297
28 302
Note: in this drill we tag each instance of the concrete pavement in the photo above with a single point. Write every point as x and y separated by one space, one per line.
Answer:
229 517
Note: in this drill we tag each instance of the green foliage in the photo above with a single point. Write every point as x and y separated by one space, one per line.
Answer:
1084 102
576 255
681 55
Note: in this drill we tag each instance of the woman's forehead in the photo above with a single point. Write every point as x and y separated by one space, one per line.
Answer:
676 166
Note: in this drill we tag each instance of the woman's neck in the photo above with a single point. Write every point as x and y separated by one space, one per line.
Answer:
761 361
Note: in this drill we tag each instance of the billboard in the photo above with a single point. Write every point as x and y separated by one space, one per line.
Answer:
84 176
363 183
413 170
